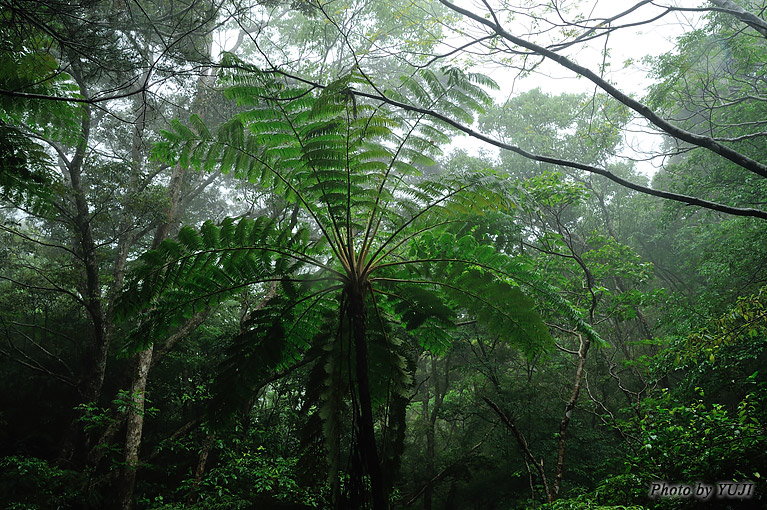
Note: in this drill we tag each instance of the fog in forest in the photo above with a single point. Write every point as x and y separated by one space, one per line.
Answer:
385 255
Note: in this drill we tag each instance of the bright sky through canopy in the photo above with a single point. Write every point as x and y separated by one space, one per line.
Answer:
647 30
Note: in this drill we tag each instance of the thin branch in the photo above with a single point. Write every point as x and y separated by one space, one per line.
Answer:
446 471
695 139
522 442
677 197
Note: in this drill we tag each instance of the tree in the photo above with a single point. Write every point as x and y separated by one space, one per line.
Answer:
89 92
381 250
496 39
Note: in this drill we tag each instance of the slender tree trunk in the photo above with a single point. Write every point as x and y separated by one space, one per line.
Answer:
200 470
136 409
135 428
96 352
367 440
440 388
583 350
135 421
430 450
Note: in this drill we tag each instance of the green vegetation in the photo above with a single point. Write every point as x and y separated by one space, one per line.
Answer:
244 264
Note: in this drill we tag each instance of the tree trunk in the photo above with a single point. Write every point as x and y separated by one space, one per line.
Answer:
367 441
200 470
135 423
97 343
135 428
430 450
440 388
583 350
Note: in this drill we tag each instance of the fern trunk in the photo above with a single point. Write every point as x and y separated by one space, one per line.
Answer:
367 440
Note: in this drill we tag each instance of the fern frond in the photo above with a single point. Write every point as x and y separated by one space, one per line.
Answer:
207 266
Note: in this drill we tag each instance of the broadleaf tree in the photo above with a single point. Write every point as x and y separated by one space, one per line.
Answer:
492 34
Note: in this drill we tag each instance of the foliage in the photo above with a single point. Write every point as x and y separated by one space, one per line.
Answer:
695 441
29 66
261 477
31 483
725 356
584 504
25 171
710 425
715 58
347 299
577 127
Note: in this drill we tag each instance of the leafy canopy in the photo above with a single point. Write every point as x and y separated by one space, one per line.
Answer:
377 252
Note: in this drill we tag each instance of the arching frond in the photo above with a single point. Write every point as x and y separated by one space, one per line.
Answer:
202 268
353 166
477 280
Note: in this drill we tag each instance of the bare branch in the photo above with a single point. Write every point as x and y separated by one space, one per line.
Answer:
677 197
743 15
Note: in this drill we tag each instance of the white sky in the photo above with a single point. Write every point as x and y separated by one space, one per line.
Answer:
631 43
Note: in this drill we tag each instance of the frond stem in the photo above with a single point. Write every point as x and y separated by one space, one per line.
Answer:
370 265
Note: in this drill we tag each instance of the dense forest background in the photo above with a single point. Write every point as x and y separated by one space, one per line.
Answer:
356 254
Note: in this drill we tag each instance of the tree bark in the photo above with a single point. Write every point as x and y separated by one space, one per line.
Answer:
135 421
96 351
135 426
583 350
367 440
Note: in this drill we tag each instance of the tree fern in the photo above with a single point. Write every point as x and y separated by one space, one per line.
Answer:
388 269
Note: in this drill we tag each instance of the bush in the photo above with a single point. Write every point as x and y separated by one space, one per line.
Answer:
29 483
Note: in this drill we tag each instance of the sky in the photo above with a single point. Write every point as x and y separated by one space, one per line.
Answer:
627 49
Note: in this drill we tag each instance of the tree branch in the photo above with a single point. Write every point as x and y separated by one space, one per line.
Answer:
677 197
642 109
